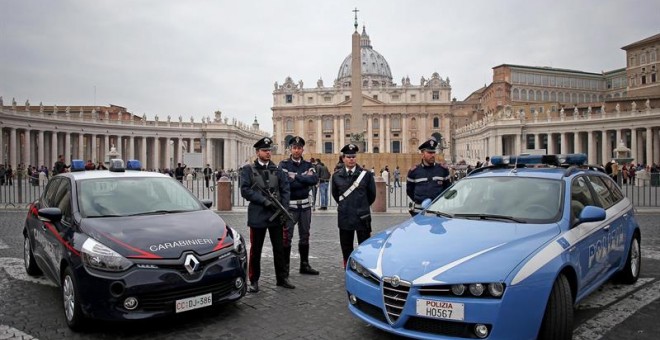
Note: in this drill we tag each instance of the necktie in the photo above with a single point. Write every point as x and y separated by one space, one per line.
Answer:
350 173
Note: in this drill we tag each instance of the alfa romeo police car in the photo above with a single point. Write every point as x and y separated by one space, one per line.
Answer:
128 245
505 253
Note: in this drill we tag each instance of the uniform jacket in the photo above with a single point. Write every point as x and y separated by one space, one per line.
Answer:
258 213
304 179
354 212
426 181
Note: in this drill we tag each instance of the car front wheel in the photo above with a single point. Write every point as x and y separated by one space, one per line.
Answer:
630 272
558 319
70 297
28 258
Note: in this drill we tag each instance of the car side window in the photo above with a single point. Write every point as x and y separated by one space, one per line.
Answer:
614 189
580 196
606 197
63 200
50 192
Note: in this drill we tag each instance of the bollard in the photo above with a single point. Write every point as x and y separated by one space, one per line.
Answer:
223 190
380 204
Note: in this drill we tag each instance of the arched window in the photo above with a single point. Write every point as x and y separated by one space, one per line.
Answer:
347 124
289 125
523 94
538 96
553 96
413 124
310 125
376 124
395 122
561 97
516 94
436 122
546 96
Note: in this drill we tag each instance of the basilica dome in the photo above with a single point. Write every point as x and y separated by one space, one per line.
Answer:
375 68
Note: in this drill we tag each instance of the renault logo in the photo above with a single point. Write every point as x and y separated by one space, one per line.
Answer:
191 263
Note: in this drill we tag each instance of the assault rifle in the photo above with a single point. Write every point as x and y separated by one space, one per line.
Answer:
280 210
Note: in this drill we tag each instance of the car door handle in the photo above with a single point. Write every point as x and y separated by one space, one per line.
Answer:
606 228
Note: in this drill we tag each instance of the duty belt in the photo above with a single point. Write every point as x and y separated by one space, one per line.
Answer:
303 203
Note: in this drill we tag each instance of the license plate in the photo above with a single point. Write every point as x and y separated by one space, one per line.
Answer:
195 302
441 309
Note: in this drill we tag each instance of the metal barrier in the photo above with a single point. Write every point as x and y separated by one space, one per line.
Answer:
21 192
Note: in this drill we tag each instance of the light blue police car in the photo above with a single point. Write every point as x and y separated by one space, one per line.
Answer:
505 253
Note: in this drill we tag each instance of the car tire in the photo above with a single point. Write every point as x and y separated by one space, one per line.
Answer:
630 272
31 267
558 318
71 300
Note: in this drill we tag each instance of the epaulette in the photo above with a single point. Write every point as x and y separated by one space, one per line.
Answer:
413 168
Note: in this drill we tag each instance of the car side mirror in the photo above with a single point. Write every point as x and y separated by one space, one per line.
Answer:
426 203
53 215
207 203
592 213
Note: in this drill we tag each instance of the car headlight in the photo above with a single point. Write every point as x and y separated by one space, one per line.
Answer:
476 289
98 256
239 245
458 289
496 289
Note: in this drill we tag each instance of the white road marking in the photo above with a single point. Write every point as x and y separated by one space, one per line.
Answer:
3 245
610 293
12 333
15 268
650 254
596 327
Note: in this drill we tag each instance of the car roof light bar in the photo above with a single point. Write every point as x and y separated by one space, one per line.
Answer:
133 164
117 165
77 165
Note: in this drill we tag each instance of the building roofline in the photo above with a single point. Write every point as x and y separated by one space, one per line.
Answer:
549 69
642 42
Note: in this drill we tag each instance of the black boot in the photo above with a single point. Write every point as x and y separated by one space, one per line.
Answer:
305 268
287 259
253 287
284 282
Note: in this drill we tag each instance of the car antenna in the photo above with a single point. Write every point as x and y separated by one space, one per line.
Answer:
515 166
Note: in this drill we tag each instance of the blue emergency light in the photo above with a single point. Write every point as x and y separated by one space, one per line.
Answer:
526 159
133 164
77 165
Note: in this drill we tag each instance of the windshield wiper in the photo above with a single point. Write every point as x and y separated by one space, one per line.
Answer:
109 215
440 213
491 217
157 212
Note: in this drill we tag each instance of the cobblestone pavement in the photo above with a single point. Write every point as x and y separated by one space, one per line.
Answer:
316 309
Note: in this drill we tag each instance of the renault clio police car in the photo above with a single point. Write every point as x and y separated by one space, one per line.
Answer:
504 253
126 244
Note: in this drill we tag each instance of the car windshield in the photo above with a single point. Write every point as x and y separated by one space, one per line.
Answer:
511 198
132 196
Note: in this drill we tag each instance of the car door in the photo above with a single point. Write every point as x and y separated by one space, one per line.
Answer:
590 234
42 248
611 199
54 232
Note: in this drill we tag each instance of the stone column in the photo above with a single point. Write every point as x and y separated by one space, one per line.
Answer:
656 146
342 132
131 148
156 156
67 147
577 147
53 148
386 134
591 148
106 147
93 154
143 151
516 146
40 146
551 144
404 134
649 146
563 140
27 156
370 133
81 147
633 144
498 146
226 157
319 135
120 146
639 155
606 150
13 148
381 133
169 157
179 151
537 141
618 138
209 155
233 154
335 122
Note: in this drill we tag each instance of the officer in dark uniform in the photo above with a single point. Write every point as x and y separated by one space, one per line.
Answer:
354 190
302 177
266 175
427 179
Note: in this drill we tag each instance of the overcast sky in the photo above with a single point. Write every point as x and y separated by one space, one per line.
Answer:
195 57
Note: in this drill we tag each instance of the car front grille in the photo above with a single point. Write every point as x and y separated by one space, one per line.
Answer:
394 299
371 310
164 301
442 327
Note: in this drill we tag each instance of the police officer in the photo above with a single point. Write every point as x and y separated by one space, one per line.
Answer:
427 179
264 175
354 190
302 177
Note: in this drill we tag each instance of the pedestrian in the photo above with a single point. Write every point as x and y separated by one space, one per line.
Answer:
486 162
354 190
9 174
257 180
324 179
100 166
60 166
397 177
179 172
385 174
89 165
315 188
208 172
301 178
428 179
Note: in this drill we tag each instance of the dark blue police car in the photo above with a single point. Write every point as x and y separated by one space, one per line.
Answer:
126 245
